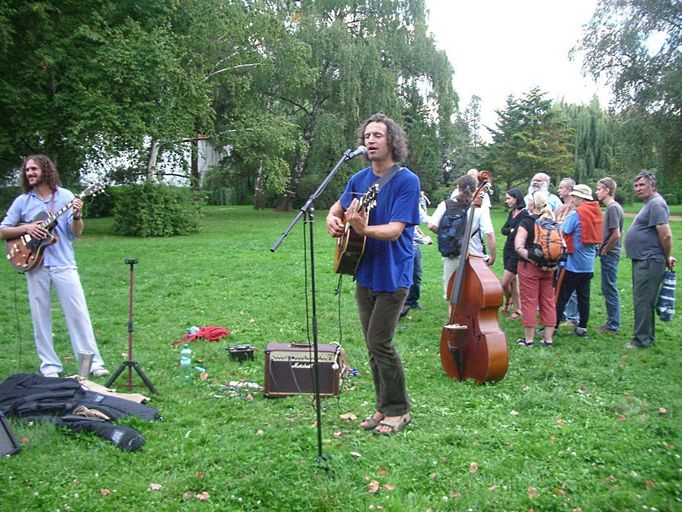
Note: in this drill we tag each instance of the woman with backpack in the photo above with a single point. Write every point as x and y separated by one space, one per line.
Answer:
449 221
536 276
514 200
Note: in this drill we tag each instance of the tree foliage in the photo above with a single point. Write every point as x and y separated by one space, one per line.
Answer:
593 141
531 136
334 64
635 45
91 74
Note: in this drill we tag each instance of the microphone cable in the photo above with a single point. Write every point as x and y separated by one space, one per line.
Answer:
337 292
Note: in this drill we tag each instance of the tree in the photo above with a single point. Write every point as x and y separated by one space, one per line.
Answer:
89 80
337 63
531 136
593 141
635 46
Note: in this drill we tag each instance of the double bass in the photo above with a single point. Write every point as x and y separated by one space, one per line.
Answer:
472 345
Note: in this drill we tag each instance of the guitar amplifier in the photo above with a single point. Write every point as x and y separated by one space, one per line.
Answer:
290 369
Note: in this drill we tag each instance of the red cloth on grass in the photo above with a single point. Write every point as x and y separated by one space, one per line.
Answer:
208 333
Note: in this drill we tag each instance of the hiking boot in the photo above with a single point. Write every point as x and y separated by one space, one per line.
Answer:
581 331
605 330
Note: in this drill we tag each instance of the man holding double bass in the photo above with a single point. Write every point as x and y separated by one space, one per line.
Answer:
384 274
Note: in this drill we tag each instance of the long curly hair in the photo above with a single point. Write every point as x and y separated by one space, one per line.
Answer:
49 173
397 138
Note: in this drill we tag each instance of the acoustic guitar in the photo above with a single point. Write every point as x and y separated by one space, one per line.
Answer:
350 246
25 252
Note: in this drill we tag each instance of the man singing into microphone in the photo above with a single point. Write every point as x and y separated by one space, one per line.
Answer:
384 275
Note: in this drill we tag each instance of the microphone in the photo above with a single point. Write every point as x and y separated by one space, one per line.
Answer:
360 151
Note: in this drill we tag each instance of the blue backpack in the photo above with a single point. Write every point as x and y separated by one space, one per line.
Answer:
451 229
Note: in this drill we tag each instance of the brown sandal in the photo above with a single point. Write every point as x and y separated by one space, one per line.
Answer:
395 426
370 422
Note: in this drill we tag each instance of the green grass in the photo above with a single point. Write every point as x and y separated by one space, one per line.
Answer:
585 425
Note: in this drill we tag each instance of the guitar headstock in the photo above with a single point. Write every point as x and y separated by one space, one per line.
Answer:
369 200
92 190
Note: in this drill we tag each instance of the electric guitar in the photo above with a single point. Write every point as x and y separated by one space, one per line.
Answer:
350 245
25 252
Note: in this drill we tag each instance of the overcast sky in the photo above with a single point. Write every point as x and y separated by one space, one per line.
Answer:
503 47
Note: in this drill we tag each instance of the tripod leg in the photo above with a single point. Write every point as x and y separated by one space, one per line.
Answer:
115 375
144 378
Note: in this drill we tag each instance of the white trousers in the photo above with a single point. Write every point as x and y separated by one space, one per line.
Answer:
67 284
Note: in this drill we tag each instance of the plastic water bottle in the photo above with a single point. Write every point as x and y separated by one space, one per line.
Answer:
186 364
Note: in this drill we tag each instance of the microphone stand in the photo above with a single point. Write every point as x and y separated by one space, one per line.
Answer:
309 211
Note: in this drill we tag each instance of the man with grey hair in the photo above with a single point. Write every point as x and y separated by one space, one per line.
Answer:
609 253
649 244
565 188
540 181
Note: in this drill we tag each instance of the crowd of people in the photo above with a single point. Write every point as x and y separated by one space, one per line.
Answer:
558 292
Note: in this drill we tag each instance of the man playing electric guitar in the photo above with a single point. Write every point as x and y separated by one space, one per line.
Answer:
42 194
384 274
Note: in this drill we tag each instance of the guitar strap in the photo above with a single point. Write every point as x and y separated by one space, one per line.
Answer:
387 177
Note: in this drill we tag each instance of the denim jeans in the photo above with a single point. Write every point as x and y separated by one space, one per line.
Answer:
379 315
609 289
571 309
647 276
413 297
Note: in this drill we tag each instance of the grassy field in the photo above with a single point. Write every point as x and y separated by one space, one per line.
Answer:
583 426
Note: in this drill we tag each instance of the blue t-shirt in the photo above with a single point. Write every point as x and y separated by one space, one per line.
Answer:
26 207
582 259
387 266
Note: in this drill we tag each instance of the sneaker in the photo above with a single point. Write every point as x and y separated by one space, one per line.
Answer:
404 311
581 331
100 372
540 330
605 330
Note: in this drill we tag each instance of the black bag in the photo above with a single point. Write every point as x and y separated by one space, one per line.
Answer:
451 229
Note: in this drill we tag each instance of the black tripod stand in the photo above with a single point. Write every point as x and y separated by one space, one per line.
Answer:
130 363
